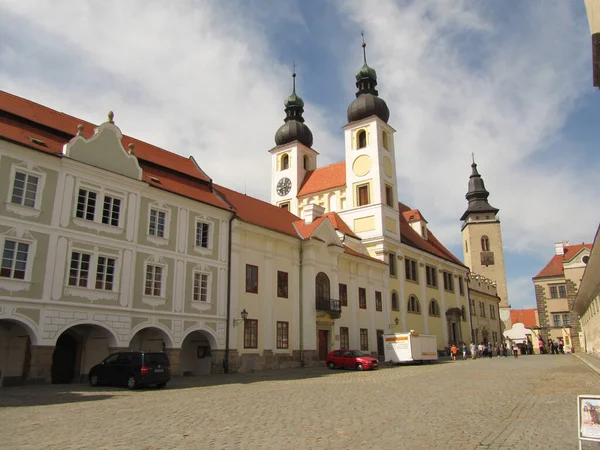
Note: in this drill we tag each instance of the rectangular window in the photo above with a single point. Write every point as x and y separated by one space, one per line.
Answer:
154 283
363 195
492 315
86 204
556 319
364 340
80 269
282 284
392 262
200 291
156 226
431 273
378 302
449 282
250 333
461 286
285 205
362 298
111 211
344 338
105 273
251 279
282 334
553 292
389 196
202 234
14 260
410 266
24 189
343 294
566 320
562 291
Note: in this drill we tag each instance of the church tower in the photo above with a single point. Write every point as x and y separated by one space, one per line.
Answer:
371 187
482 240
292 156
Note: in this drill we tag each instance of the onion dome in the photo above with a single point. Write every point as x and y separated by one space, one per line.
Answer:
367 102
477 195
294 128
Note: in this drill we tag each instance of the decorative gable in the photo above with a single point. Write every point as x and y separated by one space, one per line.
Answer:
105 150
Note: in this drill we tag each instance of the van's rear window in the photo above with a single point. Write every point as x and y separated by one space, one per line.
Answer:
155 358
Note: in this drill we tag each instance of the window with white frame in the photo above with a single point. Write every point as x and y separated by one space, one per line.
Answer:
202 234
79 269
105 273
154 284
111 211
201 284
157 223
14 260
86 204
556 318
25 187
413 305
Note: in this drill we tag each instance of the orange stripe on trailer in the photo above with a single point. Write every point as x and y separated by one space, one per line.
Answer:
396 339
428 354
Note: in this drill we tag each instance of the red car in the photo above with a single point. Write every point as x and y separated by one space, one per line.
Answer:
351 359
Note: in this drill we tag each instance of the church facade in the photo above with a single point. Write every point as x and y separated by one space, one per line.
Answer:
110 243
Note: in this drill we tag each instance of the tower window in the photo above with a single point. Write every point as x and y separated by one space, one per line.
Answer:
305 162
466 247
385 140
389 196
485 243
285 205
361 137
363 195
285 162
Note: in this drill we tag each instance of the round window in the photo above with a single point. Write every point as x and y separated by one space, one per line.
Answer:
585 259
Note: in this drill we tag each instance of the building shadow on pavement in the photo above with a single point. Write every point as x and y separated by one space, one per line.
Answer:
37 395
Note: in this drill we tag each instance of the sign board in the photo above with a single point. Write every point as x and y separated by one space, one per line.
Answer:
588 417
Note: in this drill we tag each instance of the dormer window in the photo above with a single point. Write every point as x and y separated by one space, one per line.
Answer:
361 138
285 162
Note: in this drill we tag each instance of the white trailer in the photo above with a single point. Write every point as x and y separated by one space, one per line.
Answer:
408 347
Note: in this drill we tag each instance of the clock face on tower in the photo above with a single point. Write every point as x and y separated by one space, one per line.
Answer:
283 186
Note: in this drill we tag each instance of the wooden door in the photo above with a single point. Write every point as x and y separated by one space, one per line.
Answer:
323 344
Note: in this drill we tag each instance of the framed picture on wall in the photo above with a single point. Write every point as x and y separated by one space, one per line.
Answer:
201 352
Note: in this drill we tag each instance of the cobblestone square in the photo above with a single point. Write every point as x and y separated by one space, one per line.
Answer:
493 403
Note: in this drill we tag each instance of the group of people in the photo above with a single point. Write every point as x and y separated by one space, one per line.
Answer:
554 347
482 350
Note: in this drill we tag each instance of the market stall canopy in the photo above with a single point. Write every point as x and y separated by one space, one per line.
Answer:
518 333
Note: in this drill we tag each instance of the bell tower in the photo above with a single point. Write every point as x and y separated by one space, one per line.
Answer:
482 240
292 157
371 187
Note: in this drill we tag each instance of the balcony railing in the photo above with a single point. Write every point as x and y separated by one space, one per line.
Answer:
329 305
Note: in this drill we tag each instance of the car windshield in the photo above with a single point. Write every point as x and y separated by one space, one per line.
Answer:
357 353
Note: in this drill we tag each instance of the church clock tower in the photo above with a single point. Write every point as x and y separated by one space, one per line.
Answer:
292 156
482 240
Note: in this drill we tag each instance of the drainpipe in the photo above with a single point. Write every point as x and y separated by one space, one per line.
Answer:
301 334
226 359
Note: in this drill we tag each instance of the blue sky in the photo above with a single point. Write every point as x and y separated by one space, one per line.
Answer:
509 81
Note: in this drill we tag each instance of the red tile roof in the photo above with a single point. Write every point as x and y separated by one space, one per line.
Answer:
527 317
306 230
555 267
257 212
44 129
430 245
63 126
323 178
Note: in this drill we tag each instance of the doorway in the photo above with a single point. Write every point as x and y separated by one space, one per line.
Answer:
380 342
63 359
323 344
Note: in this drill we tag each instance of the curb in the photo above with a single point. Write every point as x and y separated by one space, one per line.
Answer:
591 366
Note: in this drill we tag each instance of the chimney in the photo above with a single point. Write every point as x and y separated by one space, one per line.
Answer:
559 247
311 213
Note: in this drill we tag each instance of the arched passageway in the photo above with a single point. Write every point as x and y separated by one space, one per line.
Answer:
15 352
196 357
77 349
150 339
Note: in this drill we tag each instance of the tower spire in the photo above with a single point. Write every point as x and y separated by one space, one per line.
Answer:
294 80
364 47
294 128
477 195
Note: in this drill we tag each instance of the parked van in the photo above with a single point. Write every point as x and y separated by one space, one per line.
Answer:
132 369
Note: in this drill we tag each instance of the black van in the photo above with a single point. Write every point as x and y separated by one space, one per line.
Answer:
132 369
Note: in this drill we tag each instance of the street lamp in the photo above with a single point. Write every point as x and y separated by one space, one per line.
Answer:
593 13
244 315
397 321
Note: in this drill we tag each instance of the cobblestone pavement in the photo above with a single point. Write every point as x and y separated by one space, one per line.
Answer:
497 403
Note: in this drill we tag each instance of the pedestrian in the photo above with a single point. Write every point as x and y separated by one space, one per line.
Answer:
464 351
504 350
473 349
561 347
541 346
515 350
489 350
529 348
454 351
